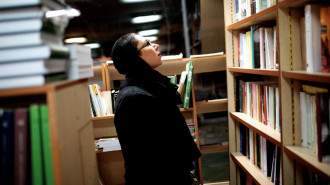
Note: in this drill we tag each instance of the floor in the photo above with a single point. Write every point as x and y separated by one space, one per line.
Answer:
215 168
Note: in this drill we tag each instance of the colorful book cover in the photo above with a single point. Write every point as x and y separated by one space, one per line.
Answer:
189 68
36 149
46 145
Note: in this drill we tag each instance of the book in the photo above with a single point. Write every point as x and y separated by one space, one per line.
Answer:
313 35
7 147
172 57
269 48
46 145
28 12
108 101
114 95
248 56
39 52
36 149
95 104
29 39
189 69
207 55
31 80
53 4
33 67
325 36
303 44
303 119
182 84
322 127
262 48
256 46
21 144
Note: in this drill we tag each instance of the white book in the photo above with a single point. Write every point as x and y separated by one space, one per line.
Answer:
39 52
251 146
24 68
24 12
313 35
262 48
108 101
277 110
29 39
269 48
95 104
303 119
275 49
309 120
77 50
28 81
24 3
172 57
181 88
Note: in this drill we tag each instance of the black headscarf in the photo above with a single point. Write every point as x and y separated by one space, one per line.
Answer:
139 72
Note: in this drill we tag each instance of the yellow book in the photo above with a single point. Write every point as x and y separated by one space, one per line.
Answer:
313 89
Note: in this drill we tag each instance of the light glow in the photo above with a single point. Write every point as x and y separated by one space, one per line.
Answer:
93 45
148 32
71 12
152 38
146 19
76 40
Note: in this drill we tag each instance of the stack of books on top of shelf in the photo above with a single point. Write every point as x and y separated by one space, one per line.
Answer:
315 120
80 64
100 101
107 144
246 8
31 43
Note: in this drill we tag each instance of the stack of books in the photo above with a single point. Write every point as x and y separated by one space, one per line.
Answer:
80 64
107 144
31 43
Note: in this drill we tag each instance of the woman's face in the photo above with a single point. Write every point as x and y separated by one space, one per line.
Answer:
150 52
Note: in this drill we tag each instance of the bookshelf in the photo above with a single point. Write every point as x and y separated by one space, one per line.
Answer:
71 131
104 126
290 77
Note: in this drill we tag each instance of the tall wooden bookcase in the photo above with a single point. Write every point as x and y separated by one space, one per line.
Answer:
71 129
286 14
111 164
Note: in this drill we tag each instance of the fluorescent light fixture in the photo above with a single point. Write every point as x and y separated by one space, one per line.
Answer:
152 38
93 45
148 32
135 1
70 12
145 19
76 40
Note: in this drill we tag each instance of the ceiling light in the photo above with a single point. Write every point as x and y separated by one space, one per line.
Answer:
145 19
70 12
76 40
135 1
148 32
93 45
152 38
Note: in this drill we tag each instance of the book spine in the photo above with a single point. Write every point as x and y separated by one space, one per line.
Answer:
46 145
36 151
188 86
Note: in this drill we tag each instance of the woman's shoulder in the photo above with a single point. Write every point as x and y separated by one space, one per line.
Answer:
134 91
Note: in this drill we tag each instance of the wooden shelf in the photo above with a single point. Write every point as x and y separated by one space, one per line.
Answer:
305 76
256 174
293 3
103 117
211 106
263 130
38 90
214 149
170 67
307 158
268 14
265 72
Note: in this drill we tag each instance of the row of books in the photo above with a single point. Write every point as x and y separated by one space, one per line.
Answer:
246 8
26 156
107 144
315 121
101 102
260 100
261 152
257 48
191 127
315 35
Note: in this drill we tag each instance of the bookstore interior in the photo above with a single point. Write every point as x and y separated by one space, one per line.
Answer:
254 76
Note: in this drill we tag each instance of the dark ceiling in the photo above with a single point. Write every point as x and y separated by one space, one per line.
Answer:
104 21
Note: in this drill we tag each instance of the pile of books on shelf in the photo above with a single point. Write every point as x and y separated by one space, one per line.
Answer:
26 146
259 100
184 86
315 121
107 144
246 8
262 153
191 127
80 64
31 43
100 101
257 48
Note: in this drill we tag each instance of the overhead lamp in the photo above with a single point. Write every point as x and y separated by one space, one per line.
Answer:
148 32
93 45
152 38
76 40
70 12
135 1
146 19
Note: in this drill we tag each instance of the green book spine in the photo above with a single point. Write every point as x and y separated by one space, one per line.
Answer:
46 145
36 153
188 86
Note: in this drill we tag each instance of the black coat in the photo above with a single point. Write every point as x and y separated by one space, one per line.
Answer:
156 143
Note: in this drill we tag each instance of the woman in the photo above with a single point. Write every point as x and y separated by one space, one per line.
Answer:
156 143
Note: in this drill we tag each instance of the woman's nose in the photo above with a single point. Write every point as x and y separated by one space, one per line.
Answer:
156 46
